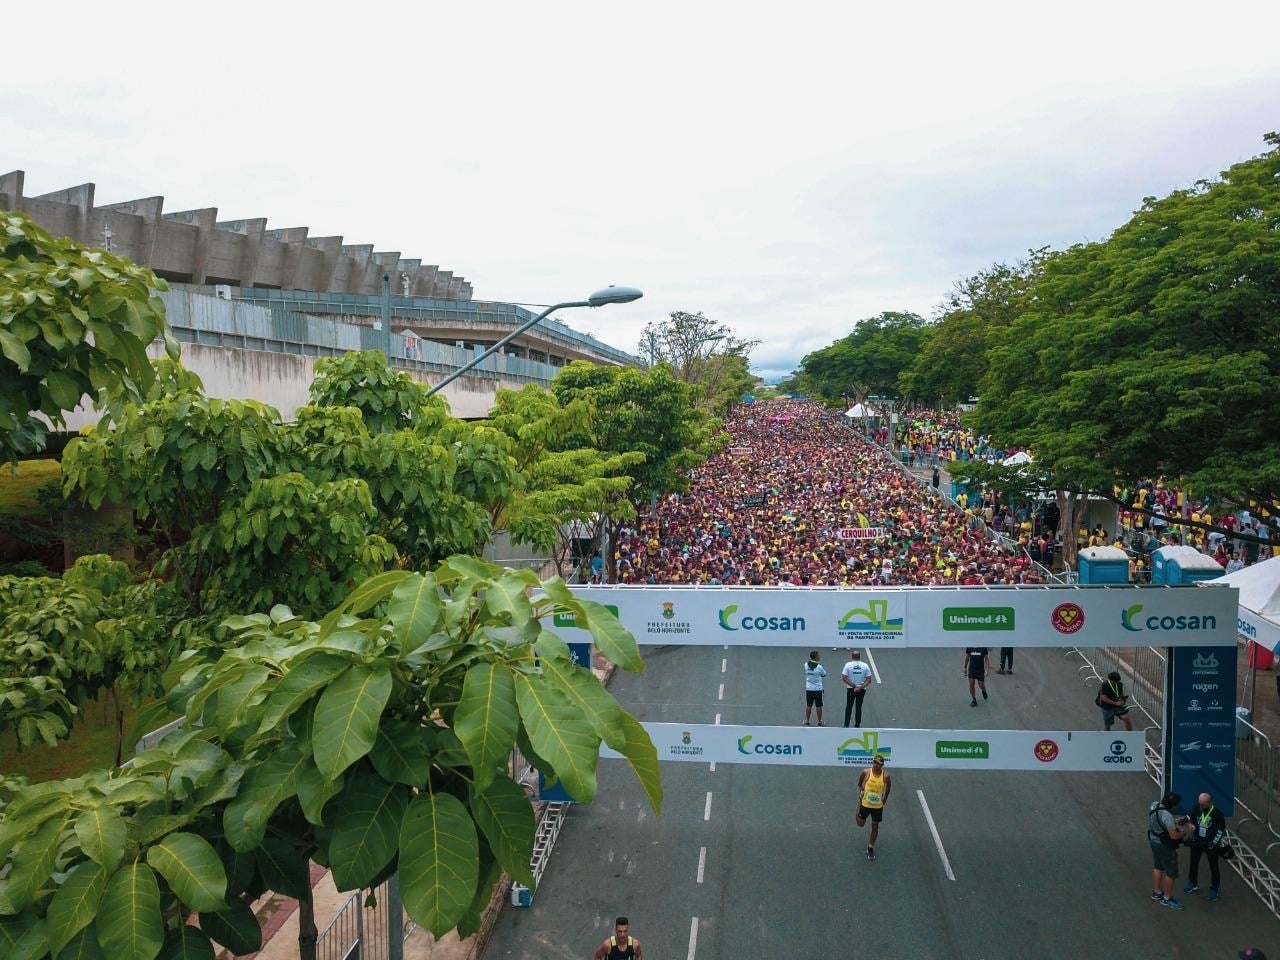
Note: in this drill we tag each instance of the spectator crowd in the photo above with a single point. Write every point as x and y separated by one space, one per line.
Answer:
798 497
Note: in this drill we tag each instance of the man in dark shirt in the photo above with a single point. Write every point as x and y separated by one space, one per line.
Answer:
1114 702
977 664
1211 831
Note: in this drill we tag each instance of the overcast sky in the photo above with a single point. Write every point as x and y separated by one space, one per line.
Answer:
787 169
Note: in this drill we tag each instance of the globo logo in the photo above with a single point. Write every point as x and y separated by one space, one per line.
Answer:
1119 753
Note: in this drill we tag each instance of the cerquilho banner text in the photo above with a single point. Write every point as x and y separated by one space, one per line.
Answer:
1045 750
1156 616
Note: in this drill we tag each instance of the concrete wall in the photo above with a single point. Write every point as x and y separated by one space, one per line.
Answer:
193 246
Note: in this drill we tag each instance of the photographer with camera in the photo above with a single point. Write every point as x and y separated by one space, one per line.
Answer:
1165 833
1114 702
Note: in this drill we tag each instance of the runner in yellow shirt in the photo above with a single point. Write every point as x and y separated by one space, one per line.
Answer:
873 793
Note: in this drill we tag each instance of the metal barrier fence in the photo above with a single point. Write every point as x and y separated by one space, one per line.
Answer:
361 929
1256 785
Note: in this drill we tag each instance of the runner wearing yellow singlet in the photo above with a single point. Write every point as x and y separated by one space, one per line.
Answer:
873 793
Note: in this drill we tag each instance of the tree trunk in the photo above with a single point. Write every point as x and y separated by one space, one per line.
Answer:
115 702
1069 505
307 933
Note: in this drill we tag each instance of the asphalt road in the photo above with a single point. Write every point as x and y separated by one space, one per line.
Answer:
765 863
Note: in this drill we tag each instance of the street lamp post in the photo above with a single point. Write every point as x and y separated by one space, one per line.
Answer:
598 299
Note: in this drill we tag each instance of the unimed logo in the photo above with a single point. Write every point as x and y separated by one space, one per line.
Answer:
567 618
962 750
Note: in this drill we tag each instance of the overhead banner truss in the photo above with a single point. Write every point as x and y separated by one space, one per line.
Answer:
1035 750
1089 616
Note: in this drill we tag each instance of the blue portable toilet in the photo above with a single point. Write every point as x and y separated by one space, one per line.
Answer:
1108 565
1179 565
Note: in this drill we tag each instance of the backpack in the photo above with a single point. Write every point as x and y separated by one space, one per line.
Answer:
1154 829
1097 698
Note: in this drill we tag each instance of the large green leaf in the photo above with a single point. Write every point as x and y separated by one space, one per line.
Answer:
192 868
438 861
75 904
314 791
505 815
34 862
486 719
264 788
347 716
489 874
236 928
614 640
589 695
295 688
415 609
643 757
186 943
23 938
402 752
366 829
283 869
83 946
374 590
560 734
129 924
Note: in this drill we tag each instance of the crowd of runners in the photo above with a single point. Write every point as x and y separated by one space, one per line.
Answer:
798 497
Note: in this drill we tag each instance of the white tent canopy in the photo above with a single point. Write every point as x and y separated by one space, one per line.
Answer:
1018 458
1259 586
859 410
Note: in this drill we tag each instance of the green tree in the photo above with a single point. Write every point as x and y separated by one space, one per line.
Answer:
374 741
1156 350
561 490
387 399
73 321
953 355
647 412
868 362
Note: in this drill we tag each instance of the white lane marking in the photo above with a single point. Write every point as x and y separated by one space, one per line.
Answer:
872 660
706 812
693 938
933 828
724 664
702 863
713 766
722 691
717 719
726 646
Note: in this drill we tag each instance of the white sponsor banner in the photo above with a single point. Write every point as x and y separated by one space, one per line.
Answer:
1044 750
814 617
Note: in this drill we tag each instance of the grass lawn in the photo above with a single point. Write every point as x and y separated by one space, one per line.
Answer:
92 746
18 484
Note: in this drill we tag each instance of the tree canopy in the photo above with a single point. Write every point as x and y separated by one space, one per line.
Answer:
1156 350
73 321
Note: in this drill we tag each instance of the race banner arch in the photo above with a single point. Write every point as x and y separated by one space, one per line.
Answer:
1024 616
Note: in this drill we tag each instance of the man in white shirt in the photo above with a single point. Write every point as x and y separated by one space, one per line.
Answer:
813 674
856 677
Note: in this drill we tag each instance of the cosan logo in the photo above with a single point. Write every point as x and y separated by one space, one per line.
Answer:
731 619
776 749
1119 753
1133 621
